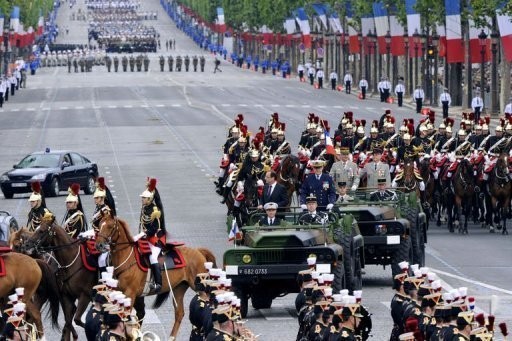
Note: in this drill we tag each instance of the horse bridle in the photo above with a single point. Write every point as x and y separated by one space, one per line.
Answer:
109 240
502 179
49 249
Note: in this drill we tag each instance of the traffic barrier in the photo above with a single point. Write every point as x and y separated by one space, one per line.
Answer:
425 111
390 100
339 88
360 96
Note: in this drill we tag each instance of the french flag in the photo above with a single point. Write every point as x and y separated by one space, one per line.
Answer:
15 18
329 146
505 27
352 33
413 25
289 26
380 14
474 42
441 31
234 232
2 18
220 20
321 11
397 35
367 25
335 23
40 23
303 21
454 43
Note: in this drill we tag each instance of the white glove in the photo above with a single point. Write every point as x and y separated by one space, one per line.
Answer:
353 188
139 236
394 154
362 157
329 207
86 234
304 207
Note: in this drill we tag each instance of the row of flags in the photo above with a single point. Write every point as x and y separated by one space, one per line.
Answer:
21 37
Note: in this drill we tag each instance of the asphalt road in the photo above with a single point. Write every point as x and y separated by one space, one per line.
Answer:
171 125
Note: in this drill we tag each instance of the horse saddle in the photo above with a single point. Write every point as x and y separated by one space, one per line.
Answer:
3 250
170 257
89 255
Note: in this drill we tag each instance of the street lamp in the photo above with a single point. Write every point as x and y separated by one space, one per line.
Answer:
387 39
360 42
424 66
408 66
372 41
494 72
346 52
482 40
435 44
369 73
416 40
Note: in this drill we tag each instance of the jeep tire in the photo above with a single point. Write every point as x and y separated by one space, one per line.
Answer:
417 237
404 253
261 299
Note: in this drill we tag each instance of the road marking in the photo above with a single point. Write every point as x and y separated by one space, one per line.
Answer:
128 106
322 106
258 105
488 286
338 107
225 104
112 106
45 109
144 106
354 107
79 107
30 109
369 108
160 105
290 105
306 106
242 105
63 108
176 105
275 105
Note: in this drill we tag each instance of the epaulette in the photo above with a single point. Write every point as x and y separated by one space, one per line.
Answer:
156 213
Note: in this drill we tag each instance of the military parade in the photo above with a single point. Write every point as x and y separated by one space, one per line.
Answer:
322 167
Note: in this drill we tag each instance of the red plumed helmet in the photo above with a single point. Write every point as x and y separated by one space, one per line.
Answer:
311 117
462 125
411 121
487 119
358 123
256 143
410 126
316 119
349 115
262 129
363 123
503 328
283 126
36 187
101 183
375 124
338 138
75 188
480 319
237 122
391 119
490 325
275 116
471 116
240 117
388 112
151 184
450 121
411 325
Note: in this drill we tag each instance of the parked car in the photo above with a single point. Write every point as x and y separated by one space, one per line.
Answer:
56 170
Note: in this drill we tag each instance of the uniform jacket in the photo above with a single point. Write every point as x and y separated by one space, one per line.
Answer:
74 223
374 171
264 221
323 189
345 172
385 195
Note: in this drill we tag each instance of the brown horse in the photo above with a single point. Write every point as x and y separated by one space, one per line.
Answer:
114 235
430 186
500 187
73 279
288 175
460 198
23 271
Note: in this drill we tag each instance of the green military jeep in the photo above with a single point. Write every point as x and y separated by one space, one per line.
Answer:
266 265
393 231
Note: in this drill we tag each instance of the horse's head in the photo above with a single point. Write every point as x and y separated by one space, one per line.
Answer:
251 192
290 170
18 238
43 236
108 234
409 177
466 171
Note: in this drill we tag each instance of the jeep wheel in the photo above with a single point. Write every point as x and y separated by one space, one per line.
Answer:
404 253
339 277
417 239
349 263
261 300
244 301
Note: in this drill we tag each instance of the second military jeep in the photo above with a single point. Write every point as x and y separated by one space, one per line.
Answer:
393 231
267 263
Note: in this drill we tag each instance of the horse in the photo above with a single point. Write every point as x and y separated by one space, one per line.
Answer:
461 196
288 174
74 280
430 188
28 273
114 235
499 188
408 178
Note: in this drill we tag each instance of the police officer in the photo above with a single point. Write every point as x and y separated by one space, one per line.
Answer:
108 61
399 91
202 62
348 82
334 79
419 96
152 227
37 207
170 62
446 101
320 185
116 63
138 62
132 63
178 63
146 63
194 63
74 220
477 104
345 170
363 85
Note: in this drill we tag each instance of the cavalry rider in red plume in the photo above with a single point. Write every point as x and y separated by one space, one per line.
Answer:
74 221
37 207
152 227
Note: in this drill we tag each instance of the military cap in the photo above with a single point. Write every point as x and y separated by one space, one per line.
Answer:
311 198
407 336
465 318
344 150
351 310
381 180
377 150
73 193
36 192
317 163
342 183
430 300
222 314
270 206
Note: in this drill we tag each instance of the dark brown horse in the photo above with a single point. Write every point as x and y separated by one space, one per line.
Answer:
73 278
500 187
288 175
408 179
114 235
460 196
430 187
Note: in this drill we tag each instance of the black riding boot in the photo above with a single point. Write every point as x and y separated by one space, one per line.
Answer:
225 193
157 277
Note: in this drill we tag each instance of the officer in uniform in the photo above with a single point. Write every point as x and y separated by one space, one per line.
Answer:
69 63
283 146
124 62
74 221
152 227
223 328
115 325
312 216
350 317
146 63
345 170
382 194
37 207
376 169
162 63
108 61
132 63
178 63
116 63
138 62
200 311
187 62
170 62
418 96
195 61
320 185
202 62
270 219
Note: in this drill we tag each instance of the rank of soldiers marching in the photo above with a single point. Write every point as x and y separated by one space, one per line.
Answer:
198 134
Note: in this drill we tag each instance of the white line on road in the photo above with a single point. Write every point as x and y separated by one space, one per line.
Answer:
290 105
488 286
63 108
30 109
79 107
322 106
112 106
160 105
128 106
242 105
275 105
225 104
176 105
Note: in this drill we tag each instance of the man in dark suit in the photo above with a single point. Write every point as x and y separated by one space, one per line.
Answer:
320 185
270 219
273 192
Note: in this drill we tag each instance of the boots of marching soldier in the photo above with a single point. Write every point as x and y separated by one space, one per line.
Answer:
157 277
225 193
218 184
